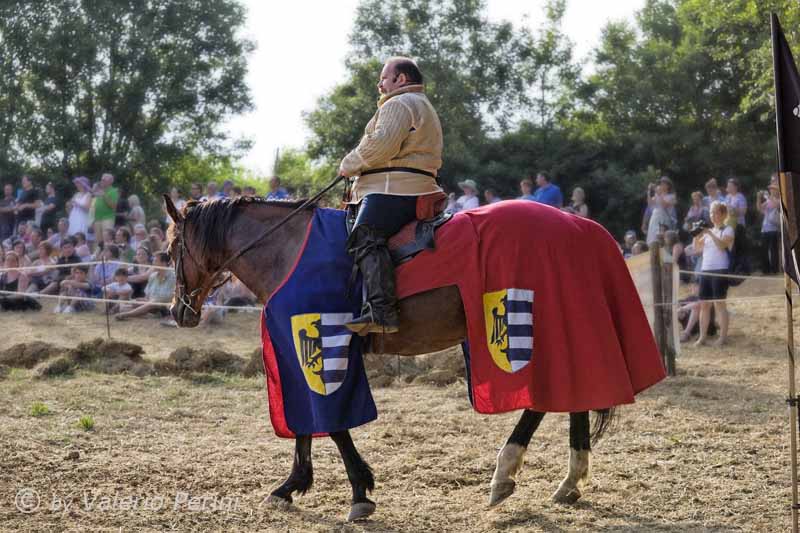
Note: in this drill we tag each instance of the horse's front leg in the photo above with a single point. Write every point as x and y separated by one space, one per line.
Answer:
359 473
579 459
511 456
302 476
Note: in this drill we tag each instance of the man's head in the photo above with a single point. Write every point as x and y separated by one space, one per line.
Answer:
196 191
79 273
227 186
8 190
526 186
630 238
68 247
26 182
36 237
274 183
398 72
121 276
211 188
63 225
140 232
712 187
733 186
122 236
107 180
542 179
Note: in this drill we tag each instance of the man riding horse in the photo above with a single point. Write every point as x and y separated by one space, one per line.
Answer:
394 169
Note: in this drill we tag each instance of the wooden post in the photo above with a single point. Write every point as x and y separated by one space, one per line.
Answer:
657 271
668 350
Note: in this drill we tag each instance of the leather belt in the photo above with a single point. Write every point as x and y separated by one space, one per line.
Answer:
399 169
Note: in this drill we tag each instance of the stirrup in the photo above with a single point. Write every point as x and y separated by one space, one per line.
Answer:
366 324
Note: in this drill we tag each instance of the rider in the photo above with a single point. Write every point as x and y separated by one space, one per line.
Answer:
395 167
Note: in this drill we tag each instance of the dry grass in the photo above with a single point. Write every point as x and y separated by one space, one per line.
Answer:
704 451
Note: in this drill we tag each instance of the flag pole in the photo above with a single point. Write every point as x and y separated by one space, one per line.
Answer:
787 283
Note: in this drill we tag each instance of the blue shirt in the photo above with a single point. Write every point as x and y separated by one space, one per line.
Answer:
280 194
550 195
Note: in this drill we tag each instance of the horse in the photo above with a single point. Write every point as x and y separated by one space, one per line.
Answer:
205 235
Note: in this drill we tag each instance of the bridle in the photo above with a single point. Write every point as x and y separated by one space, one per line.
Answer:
186 298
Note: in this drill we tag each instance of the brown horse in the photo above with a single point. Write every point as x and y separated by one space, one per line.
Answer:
205 234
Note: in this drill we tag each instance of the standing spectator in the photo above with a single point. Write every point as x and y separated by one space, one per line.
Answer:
736 202
106 197
713 193
103 273
248 192
276 192
769 205
160 290
122 210
7 219
211 192
67 257
49 208
468 200
627 243
227 189
526 189
547 193
79 206
697 212
136 213
196 192
491 196
28 201
661 198
578 205
714 245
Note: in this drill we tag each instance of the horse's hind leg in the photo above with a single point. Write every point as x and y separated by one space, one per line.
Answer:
302 476
511 456
579 459
359 473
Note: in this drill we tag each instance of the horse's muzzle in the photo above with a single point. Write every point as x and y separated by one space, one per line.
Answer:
184 316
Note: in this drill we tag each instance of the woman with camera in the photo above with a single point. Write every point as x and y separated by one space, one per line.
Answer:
769 204
714 245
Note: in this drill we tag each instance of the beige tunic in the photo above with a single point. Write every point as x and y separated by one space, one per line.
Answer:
404 132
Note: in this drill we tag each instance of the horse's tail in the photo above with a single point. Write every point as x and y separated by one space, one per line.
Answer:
603 420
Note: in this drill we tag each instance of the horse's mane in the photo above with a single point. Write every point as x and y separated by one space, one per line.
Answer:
212 219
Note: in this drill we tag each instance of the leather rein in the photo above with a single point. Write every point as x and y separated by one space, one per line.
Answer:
186 298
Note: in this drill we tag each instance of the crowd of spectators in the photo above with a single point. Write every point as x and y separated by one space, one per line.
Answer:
99 244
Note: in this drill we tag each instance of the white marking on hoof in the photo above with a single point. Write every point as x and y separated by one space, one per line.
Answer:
509 463
360 510
278 502
578 473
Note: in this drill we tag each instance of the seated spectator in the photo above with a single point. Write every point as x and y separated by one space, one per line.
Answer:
103 273
697 212
639 247
120 290
236 294
44 273
159 291
20 249
139 237
578 205
62 232
526 188
108 238
139 274
157 242
491 196
122 238
72 288
67 257
628 242
689 313
32 248
468 200
547 193
15 281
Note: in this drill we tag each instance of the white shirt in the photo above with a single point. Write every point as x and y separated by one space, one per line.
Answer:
713 257
116 288
467 202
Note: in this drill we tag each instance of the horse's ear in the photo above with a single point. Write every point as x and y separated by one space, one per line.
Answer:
172 211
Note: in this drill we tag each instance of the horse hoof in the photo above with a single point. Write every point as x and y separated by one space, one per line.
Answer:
278 502
567 495
501 491
361 510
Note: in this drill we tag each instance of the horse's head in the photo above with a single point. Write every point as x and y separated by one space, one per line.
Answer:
195 276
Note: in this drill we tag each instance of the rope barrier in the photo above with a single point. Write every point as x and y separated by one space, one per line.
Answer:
109 300
732 276
83 263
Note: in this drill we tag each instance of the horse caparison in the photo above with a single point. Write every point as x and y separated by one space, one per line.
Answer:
206 233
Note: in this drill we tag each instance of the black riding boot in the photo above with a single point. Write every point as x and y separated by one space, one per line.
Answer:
379 313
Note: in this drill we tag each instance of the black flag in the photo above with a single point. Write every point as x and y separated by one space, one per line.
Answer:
787 120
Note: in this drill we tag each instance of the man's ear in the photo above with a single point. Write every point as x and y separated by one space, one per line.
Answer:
172 211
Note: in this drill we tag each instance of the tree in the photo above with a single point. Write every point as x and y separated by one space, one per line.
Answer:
127 86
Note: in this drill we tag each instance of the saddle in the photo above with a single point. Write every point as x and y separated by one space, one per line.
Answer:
414 237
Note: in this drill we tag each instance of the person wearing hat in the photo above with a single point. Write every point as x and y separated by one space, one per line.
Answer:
79 206
468 200
769 205
394 169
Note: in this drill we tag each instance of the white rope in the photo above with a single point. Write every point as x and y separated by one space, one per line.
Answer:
726 300
108 300
85 263
733 276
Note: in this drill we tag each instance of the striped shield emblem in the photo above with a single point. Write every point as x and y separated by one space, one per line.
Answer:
322 344
508 315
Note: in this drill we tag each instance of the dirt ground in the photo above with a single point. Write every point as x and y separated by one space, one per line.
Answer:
705 451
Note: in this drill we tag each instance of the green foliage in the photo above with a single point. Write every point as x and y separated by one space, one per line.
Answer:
39 409
86 422
128 87
304 177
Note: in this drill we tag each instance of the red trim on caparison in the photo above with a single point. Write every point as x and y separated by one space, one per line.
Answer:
277 415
